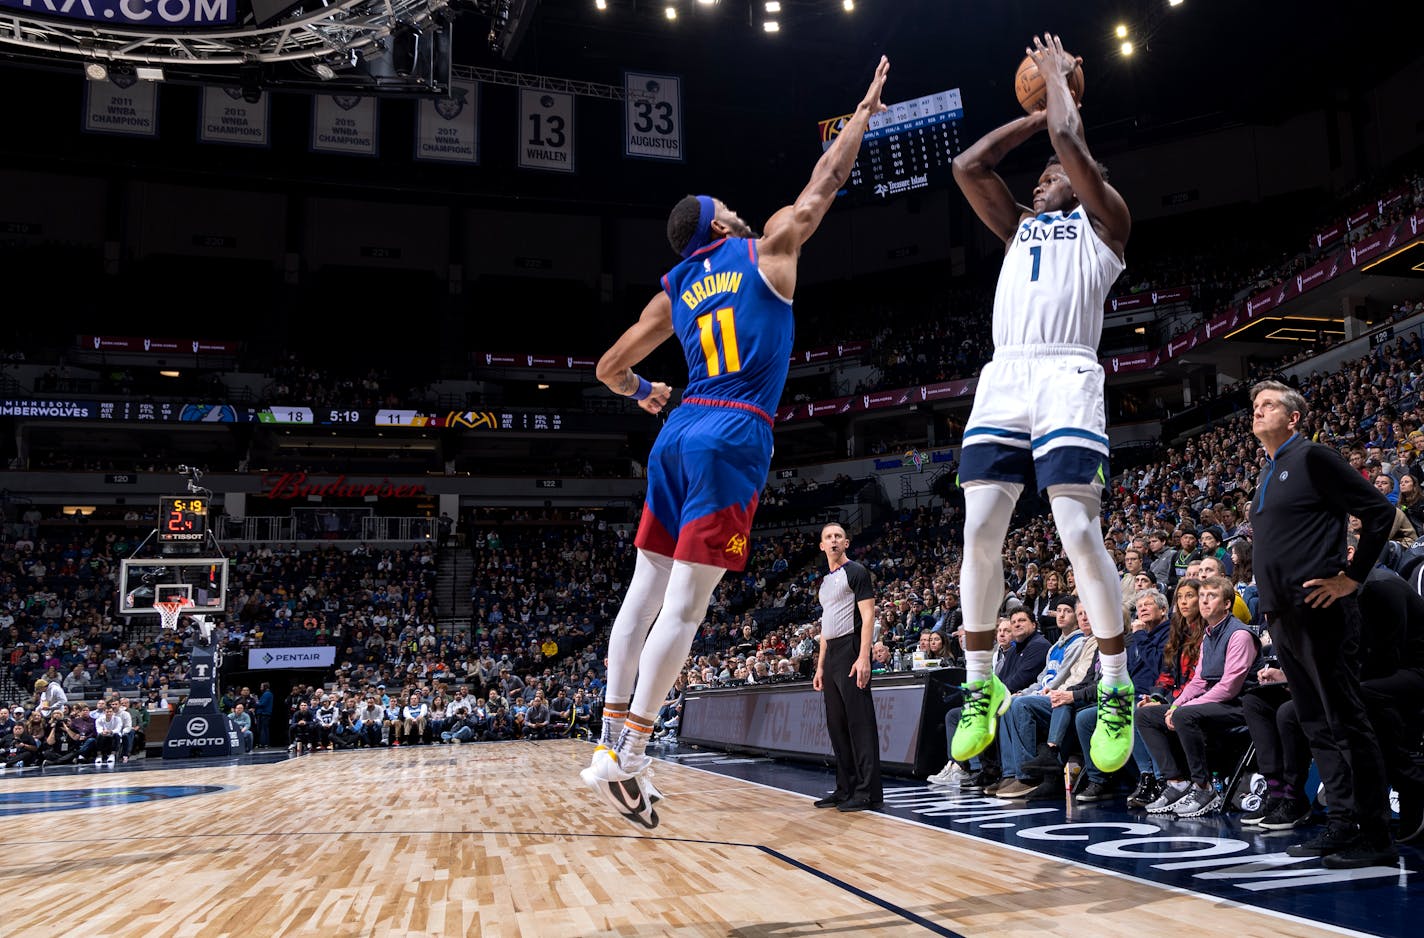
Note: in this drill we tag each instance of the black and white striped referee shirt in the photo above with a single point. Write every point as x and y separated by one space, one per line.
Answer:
841 589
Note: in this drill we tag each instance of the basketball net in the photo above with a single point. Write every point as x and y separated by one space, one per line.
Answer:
170 609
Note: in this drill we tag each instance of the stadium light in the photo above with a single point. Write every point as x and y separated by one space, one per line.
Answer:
600 5
1174 3
773 6
771 26
96 71
849 5
670 11
1126 48
1121 31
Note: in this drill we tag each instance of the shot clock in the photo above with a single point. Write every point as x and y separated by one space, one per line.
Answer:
182 523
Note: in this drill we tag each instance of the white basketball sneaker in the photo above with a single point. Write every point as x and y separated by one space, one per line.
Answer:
653 792
621 782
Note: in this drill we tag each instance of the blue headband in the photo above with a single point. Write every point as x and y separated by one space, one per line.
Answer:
704 226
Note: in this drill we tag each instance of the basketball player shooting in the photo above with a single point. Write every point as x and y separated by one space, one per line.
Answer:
729 304
1038 411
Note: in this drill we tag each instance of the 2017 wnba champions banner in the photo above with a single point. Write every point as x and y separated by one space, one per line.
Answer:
449 127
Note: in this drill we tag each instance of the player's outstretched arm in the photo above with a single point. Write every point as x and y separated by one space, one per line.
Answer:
791 226
985 189
1065 130
615 368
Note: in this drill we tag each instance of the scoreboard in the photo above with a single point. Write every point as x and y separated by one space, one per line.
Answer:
908 147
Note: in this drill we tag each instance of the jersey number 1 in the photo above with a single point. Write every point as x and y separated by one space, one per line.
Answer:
1037 253
728 328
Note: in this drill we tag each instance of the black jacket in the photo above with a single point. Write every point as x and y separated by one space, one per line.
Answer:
1298 520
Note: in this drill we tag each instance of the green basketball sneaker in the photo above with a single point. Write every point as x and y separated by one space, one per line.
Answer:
1111 745
984 702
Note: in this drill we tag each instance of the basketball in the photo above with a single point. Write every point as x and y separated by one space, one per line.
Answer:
1029 86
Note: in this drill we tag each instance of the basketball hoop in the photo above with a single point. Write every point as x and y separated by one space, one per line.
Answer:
170 609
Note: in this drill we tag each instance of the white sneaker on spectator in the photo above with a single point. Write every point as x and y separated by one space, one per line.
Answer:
945 775
110 760
623 785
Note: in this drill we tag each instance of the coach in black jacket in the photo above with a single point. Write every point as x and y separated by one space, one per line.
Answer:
1308 589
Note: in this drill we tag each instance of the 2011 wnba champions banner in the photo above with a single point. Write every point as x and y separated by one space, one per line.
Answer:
652 117
124 105
448 127
227 118
344 123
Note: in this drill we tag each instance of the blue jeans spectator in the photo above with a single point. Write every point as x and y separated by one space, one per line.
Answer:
463 734
1019 730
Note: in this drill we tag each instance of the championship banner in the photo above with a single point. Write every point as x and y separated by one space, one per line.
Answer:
448 128
313 656
229 119
344 123
123 105
652 117
546 130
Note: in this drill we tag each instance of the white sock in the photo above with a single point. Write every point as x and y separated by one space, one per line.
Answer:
1180 786
634 738
1114 668
977 665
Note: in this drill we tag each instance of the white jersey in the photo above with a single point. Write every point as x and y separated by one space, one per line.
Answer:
1055 279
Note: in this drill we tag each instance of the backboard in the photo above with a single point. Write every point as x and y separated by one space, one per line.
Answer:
145 581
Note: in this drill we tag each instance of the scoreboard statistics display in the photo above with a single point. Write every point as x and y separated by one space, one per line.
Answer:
908 147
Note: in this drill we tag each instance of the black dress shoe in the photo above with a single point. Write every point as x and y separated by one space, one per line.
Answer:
859 804
830 801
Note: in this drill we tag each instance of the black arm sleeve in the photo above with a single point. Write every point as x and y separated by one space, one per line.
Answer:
1346 489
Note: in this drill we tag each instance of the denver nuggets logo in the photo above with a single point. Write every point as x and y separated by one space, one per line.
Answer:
736 545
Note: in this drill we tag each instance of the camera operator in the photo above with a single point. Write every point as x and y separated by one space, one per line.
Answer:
61 742
25 746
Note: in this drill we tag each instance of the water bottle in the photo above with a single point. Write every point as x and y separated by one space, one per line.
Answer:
898 662
1070 775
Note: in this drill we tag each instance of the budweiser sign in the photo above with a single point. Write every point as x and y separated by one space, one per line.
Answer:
298 485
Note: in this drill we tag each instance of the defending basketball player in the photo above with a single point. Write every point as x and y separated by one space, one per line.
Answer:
729 304
1038 411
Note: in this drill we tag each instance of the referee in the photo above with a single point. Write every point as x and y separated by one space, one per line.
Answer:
843 674
1308 588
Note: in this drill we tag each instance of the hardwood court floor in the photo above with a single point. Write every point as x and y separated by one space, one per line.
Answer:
502 840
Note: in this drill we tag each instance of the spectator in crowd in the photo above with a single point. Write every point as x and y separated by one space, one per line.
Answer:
1208 706
243 721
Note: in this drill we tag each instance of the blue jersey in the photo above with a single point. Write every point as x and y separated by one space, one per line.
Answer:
736 331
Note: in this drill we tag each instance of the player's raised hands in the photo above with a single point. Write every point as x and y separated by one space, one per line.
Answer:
1047 53
657 398
871 101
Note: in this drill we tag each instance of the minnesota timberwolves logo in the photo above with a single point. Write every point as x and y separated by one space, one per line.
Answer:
346 101
42 802
450 108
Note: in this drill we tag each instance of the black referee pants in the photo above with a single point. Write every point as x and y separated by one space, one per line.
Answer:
1319 653
850 721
